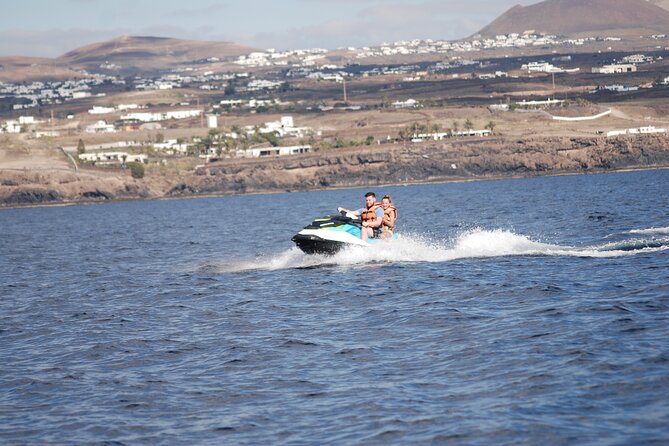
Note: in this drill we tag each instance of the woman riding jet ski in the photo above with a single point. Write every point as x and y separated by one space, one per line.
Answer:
364 227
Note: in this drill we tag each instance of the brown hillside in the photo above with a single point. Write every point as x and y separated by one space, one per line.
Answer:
27 69
664 4
582 17
151 52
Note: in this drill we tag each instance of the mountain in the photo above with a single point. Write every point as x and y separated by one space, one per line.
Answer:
133 52
584 17
664 4
16 69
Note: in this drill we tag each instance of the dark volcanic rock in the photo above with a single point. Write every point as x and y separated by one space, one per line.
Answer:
33 196
181 189
97 195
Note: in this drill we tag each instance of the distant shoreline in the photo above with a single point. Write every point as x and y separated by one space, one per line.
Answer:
322 189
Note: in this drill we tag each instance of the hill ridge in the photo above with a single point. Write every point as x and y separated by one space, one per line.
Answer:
579 17
151 51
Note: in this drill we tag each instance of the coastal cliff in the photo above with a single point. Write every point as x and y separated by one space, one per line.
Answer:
437 162
353 167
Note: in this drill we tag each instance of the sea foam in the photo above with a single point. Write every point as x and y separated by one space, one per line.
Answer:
471 244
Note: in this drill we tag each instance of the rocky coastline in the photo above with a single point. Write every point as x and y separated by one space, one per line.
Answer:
463 160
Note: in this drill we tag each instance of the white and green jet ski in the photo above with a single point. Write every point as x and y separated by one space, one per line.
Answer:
329 235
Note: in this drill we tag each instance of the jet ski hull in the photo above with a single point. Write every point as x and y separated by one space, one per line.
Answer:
311 244
329 235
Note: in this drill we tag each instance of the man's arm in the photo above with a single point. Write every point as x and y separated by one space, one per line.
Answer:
357 213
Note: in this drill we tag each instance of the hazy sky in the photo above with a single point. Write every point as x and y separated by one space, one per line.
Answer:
51 28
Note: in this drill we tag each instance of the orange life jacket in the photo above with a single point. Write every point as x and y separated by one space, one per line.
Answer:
387 213
369 214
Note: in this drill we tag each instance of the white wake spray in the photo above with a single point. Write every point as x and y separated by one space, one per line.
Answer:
476 243
650 231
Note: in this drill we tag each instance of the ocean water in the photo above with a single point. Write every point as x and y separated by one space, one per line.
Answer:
532 311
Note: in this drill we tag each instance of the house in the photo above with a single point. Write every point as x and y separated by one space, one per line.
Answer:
81 94
112 157
615 69
231 102
212 121
649 130
409 103
538 67
153 117
11 126
538 104
101 110
637 59
274 151
171 146
123 107
284 127
443 135
619 88
100 127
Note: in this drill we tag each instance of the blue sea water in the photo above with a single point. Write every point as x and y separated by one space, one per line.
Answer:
532 311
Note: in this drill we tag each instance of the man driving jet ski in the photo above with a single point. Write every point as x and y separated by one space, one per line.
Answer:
371 216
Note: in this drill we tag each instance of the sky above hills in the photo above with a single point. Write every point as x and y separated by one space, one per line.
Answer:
48 28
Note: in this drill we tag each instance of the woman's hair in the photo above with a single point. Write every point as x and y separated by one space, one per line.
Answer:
387 197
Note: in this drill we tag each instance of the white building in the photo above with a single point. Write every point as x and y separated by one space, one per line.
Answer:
499 107
284 127
11 126
443 135
274 151
231 102
619 88
123 107
636 131
101 110
112 157
81 94
182 114
637 59
615 69
27 120
100 127
538 67
171 146
212 121
409 103
532 104
153 117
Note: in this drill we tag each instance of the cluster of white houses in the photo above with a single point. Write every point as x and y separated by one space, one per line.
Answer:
29 95
17 125
514 40
141 120
113 158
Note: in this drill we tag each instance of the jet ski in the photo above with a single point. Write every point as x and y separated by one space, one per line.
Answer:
328 235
